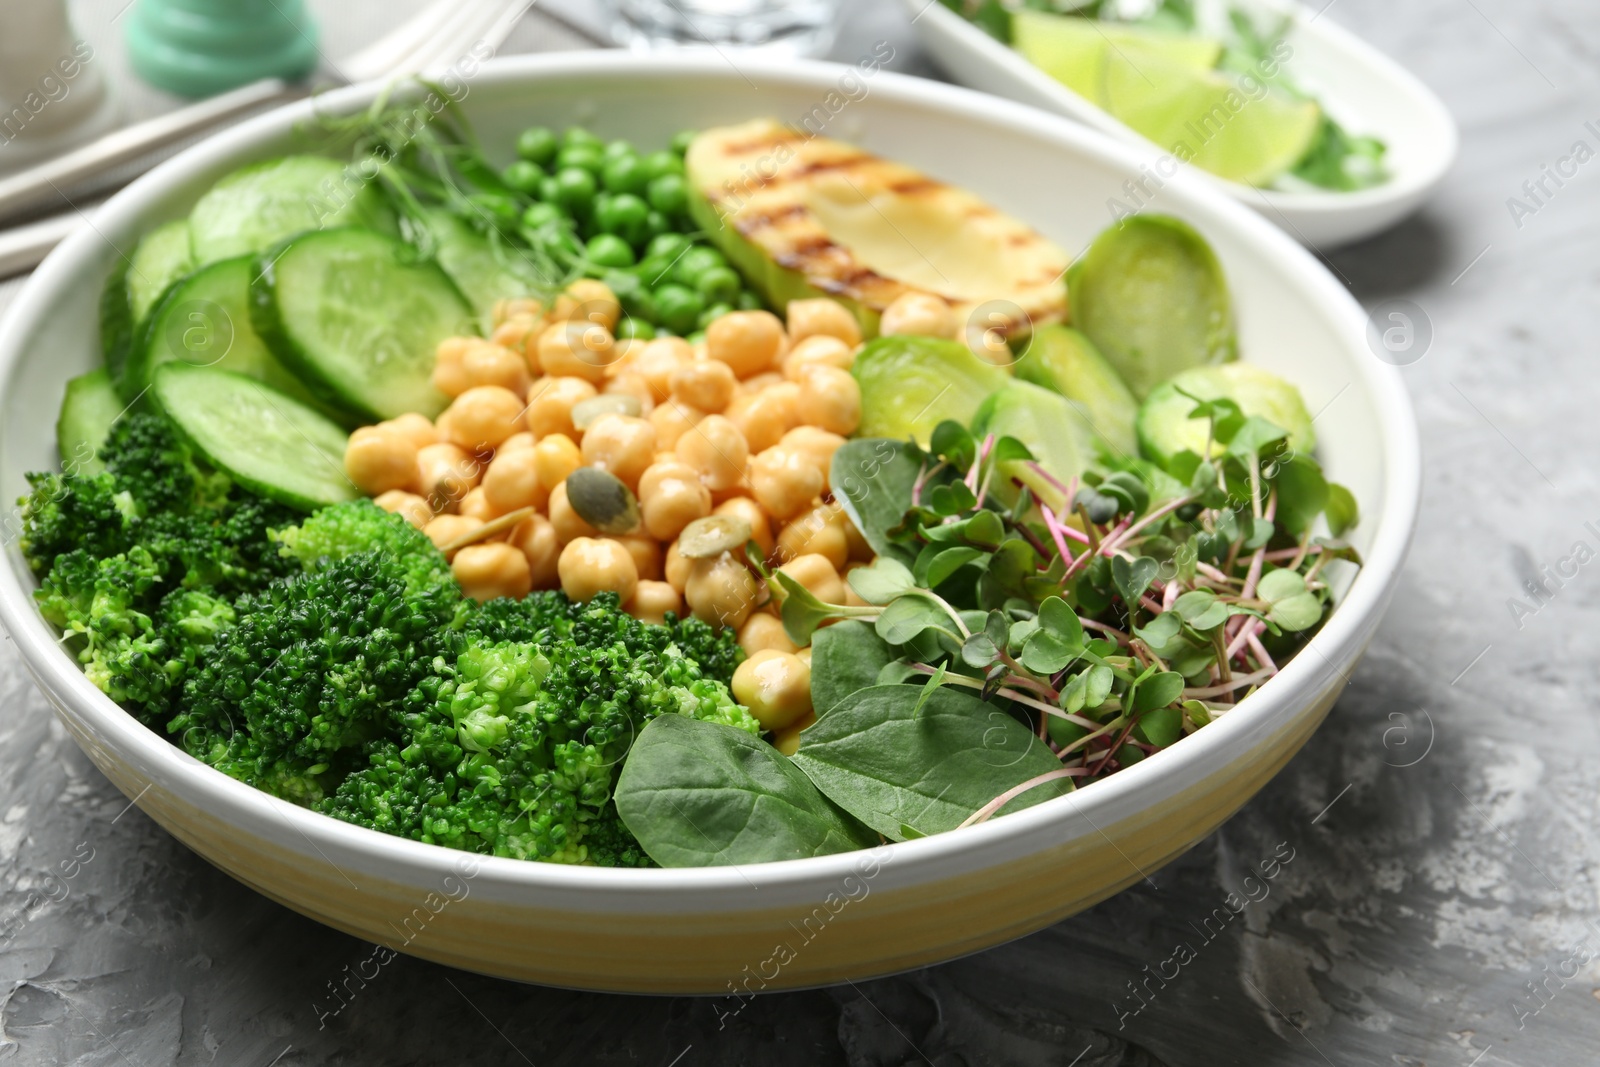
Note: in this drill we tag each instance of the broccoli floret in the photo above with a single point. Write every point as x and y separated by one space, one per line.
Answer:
361 526
67 512
315 667
514 746
147 458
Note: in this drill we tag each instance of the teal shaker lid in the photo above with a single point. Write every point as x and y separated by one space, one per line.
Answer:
201 47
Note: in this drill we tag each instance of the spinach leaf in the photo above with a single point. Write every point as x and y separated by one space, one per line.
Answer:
700 794
845 657
872 479
896 766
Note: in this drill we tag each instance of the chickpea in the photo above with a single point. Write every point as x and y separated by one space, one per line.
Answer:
706 384
482 417
721 591
769 415
447 472
520 440
555 457
646 554
509 308
775 686
569 525
474 505
988 343
818 576
652 600
415 509
676 568
747 341
443 529
589 566
620 444
830 398
819 530
760 524
512 482
818 351
787 740
670 498
595 303
448 375
716 449
487 363
784 481
413 426
753 385
491 570
536 539
805 657
550 403
520 333
918 313
822 317
672 420
629 383
740 488
660 361
764 631
577 348
378 460
817 445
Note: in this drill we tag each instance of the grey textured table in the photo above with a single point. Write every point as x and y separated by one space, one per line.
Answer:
1443 904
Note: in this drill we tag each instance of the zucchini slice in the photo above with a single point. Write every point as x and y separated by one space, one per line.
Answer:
88 409
1165 428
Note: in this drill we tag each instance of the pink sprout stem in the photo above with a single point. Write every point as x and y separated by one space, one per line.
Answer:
983 813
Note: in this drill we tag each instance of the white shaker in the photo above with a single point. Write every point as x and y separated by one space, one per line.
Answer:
52 93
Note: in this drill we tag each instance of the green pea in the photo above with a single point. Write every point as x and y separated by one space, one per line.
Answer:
501 210
656 224
678 307
619 147
625 216
696 262
696 338
668 246
574 191
547 188
719 285
749 301
585 156
609 250
682 139
658 163
541 215
577 135
537 144
712 314
653 270
669 195
641 304
625 175
631 327
523 176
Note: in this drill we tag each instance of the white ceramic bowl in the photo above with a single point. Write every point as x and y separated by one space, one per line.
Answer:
787 924
1360 86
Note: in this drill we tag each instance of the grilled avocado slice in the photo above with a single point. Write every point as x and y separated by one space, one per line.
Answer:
807 216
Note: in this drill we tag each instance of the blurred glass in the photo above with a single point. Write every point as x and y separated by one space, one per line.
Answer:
788 27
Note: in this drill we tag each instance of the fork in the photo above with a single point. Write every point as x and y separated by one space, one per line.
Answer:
438 35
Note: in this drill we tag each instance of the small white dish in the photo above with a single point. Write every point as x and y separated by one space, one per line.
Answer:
1358 85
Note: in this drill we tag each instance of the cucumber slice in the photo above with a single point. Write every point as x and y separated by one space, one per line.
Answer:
266 441
483 278
1054 429
1166 429
1151 296
204 319
88 409
161 258
116 321
257 207
358 320
1061 358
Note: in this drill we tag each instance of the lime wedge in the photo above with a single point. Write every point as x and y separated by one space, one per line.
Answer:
1074 51
1207 118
